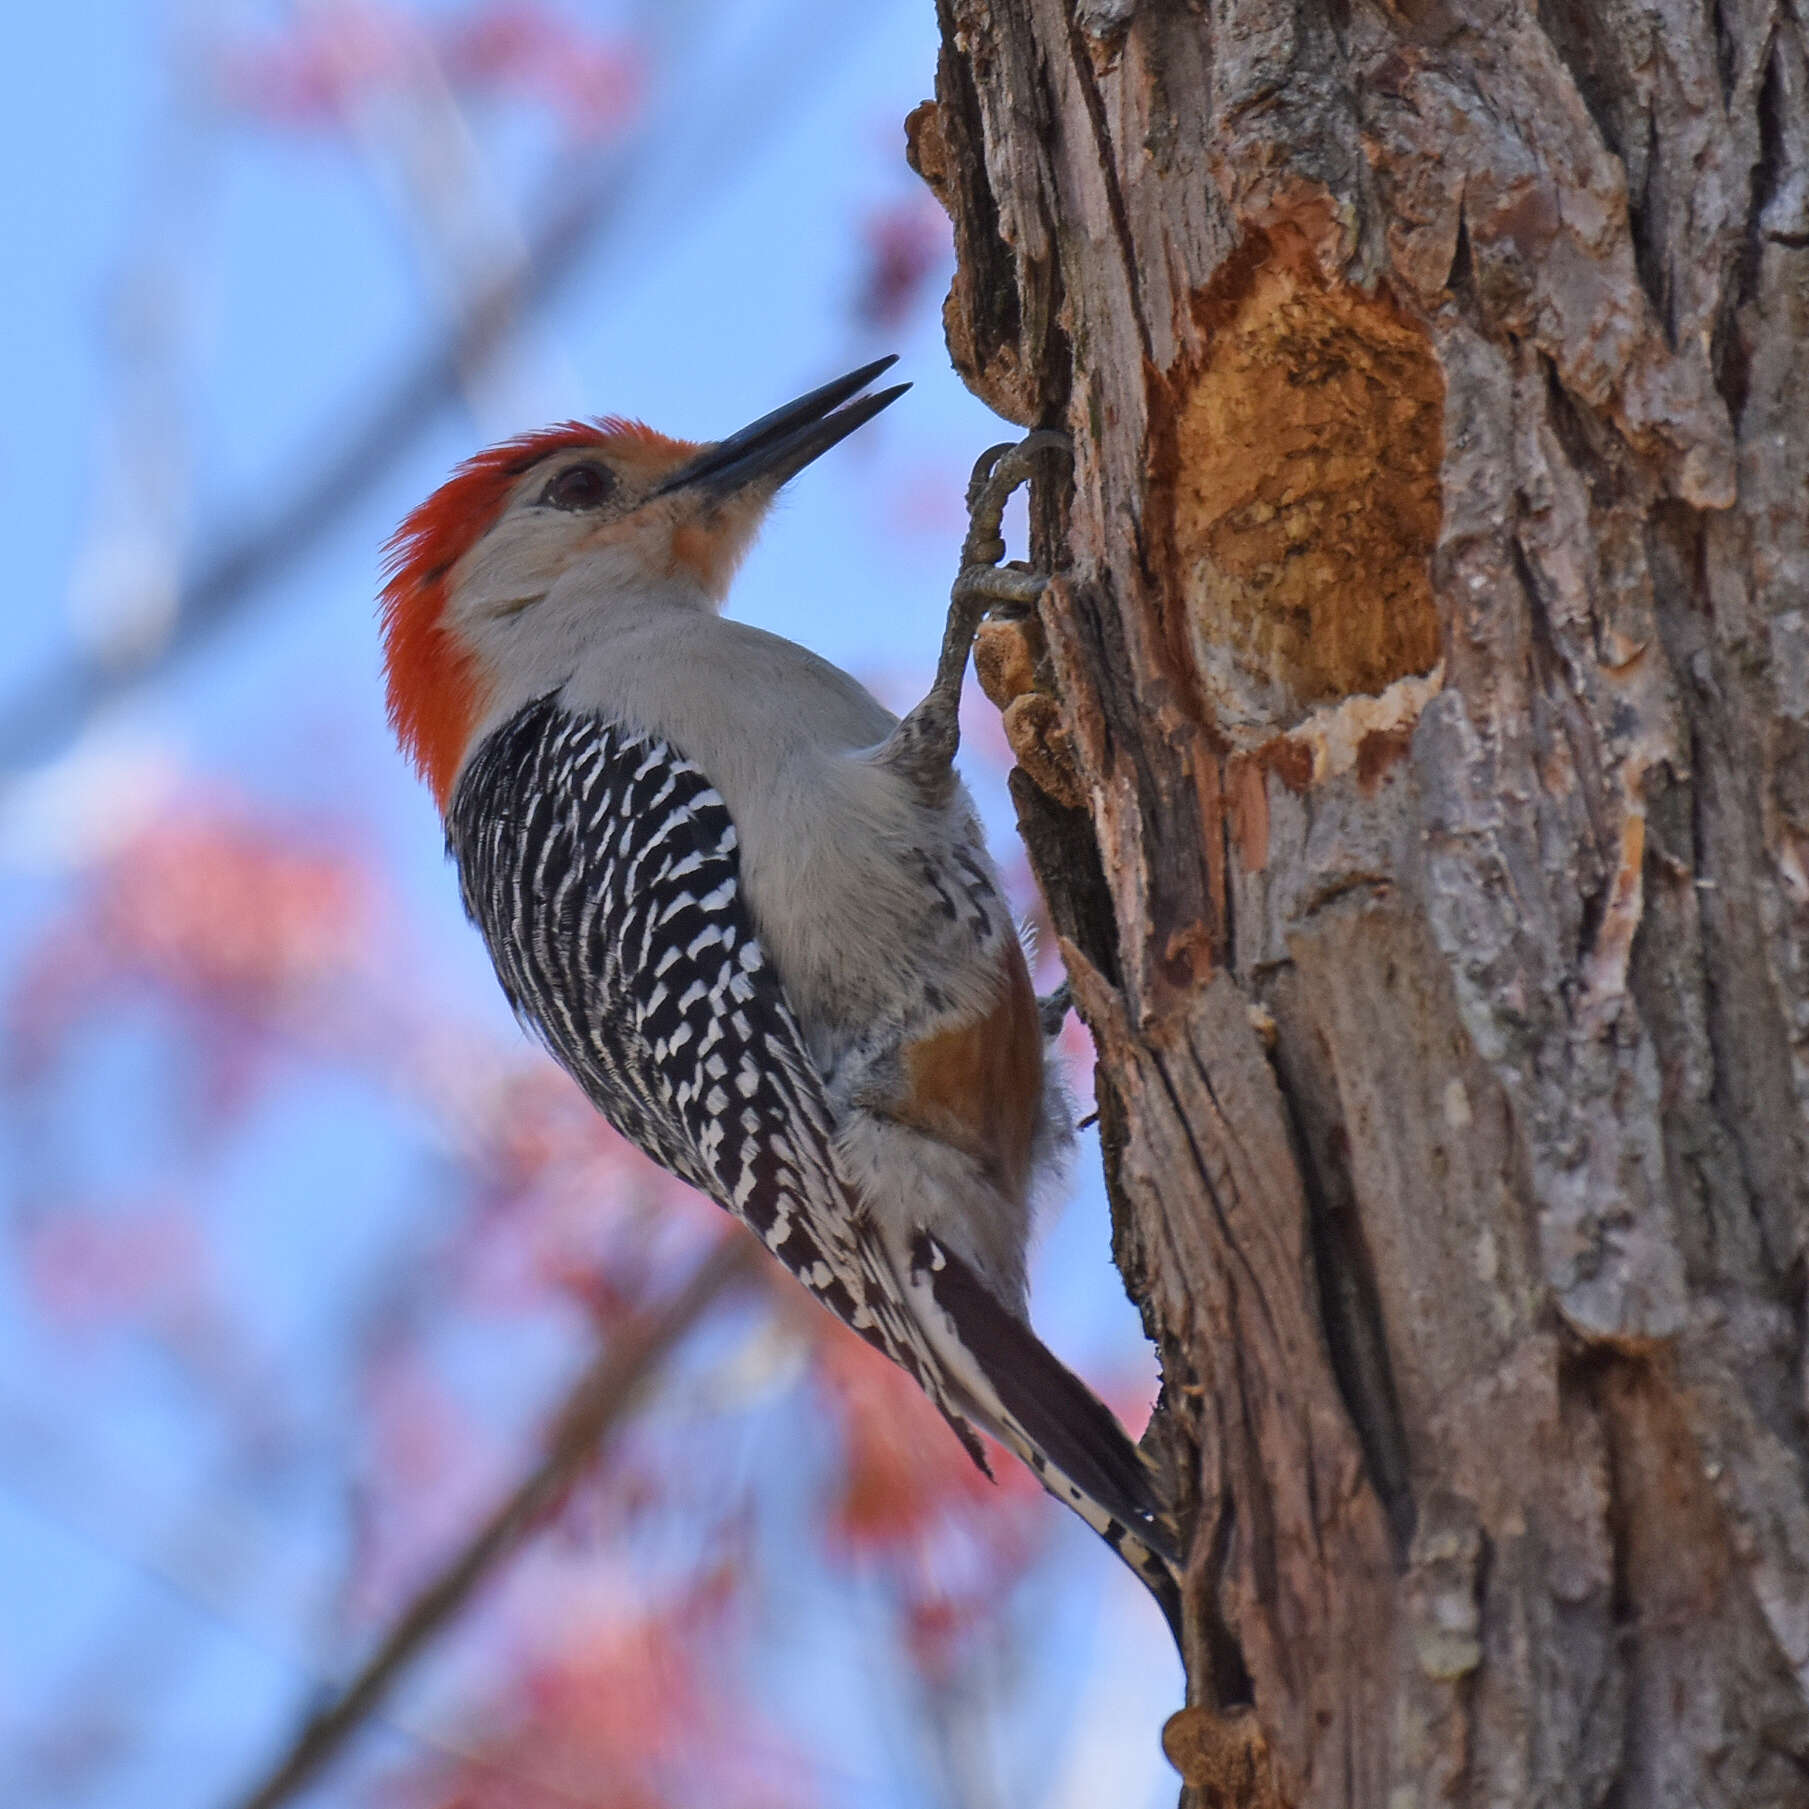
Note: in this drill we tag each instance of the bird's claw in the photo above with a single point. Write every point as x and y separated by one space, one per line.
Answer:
998 471
925 742
983 580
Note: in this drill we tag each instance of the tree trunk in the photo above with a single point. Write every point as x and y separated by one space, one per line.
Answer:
1416 762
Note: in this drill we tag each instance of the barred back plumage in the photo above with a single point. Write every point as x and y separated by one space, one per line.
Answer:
601 867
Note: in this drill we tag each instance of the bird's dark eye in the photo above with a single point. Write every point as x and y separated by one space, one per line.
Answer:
579 487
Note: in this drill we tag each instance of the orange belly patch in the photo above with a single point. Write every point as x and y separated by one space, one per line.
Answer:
978 1086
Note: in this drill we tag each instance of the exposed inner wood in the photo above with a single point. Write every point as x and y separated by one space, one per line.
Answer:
1305 501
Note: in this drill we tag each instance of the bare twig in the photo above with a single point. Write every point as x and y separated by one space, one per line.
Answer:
595 1406
50 709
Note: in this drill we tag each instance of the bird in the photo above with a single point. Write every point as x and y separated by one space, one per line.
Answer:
749 910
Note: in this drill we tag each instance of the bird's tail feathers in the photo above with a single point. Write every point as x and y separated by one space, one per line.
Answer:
1021 1392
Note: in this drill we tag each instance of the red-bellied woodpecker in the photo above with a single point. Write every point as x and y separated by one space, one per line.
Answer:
747 909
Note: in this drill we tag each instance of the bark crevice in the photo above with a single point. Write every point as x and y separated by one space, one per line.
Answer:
1350 1310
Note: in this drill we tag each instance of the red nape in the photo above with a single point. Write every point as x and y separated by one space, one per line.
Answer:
433 682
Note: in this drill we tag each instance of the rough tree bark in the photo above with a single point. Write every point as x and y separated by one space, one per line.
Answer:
1414 749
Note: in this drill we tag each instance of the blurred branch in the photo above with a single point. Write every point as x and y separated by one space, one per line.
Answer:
595 1406
52 709
423 155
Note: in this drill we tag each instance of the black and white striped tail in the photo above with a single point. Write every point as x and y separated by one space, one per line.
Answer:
1022 1392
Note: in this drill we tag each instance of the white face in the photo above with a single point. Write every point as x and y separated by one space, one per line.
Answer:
570 506
584 532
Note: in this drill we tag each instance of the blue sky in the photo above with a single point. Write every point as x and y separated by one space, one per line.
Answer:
288 290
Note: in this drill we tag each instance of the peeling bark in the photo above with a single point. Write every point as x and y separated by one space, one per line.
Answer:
1415 754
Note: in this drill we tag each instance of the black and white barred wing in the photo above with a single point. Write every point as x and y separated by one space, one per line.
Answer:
602 868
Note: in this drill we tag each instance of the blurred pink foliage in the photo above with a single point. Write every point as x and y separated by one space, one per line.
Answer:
630 1711
89 1270
542 57
219 915
261 947
908 245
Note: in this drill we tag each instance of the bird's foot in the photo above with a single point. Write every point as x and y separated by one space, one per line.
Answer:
983 576
924 743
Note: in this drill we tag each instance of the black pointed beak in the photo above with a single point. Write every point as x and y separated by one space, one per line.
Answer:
778 446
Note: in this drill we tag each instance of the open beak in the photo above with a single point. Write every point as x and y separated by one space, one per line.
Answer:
778 446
